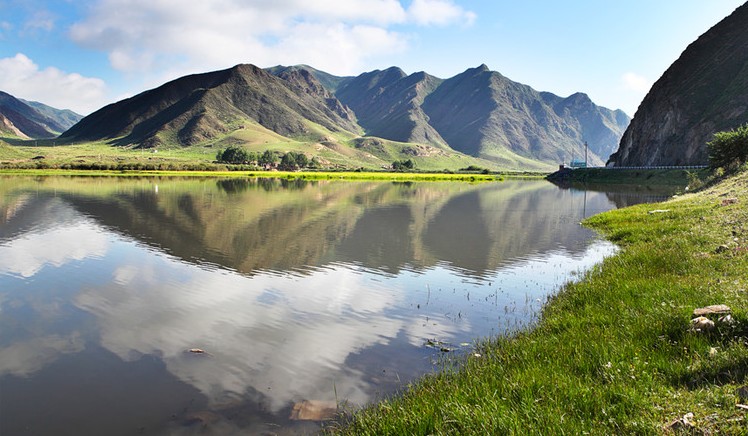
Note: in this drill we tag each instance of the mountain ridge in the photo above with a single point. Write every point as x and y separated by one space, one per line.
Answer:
33 120
478 113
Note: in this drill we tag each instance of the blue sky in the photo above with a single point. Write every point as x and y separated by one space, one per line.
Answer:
83 55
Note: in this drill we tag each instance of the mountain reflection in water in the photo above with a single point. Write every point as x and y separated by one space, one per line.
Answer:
296 290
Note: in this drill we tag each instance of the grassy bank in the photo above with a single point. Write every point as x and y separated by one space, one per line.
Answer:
614 353
641 177
317 175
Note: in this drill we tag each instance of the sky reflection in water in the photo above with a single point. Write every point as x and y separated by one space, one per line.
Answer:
340 289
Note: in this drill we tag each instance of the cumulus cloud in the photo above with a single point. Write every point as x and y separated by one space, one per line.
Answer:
21 77
636 82
177 36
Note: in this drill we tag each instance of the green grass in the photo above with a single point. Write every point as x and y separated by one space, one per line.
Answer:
652 177
317 175
612 354
337 150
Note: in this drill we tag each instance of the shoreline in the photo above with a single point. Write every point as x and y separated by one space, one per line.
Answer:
305 175
614 353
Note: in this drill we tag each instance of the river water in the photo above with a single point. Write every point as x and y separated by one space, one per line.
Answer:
247 306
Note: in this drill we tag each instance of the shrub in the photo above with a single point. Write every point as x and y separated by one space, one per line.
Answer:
729 149
400 165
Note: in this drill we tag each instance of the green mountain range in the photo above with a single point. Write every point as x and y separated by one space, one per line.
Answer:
371 118
703 92
32 120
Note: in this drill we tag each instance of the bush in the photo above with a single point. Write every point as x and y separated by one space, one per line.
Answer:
401 165
729 149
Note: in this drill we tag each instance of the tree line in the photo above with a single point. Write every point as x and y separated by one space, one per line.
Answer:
285 161
267 159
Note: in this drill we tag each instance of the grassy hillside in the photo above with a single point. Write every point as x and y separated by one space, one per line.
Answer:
337 151
615 353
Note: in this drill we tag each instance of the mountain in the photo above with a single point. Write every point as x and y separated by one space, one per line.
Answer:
65 118
478 113
201 107
482 113
327 80
22 119
389 105
703 92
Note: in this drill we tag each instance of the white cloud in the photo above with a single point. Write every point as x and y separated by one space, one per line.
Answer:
177 37
439 12
41 21
21 77
636 82
5 28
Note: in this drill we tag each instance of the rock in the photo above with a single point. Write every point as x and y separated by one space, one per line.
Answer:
202 418
715 309
651 212
721 249
702 324
313 410
742 393
726 319
680 424
729 201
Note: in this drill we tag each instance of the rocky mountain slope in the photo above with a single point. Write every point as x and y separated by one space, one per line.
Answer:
482 113
703 92
479 113
33 120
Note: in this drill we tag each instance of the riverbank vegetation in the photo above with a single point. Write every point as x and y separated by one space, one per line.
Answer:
306 175
616 353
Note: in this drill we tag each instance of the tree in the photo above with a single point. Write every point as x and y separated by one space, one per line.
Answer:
301 160
288 161
729 149
268 158
234 155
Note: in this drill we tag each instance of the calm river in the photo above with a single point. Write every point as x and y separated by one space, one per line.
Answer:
227 306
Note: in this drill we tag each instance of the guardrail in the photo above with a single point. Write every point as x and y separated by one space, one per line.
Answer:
660 167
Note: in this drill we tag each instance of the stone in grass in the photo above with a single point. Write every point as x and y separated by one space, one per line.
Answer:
702 324
742 393
681 424
721 249
715 309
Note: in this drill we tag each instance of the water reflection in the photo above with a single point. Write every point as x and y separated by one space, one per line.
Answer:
297 290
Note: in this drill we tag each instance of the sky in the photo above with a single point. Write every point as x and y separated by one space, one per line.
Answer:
78 55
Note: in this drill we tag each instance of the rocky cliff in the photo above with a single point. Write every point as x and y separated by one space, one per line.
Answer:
703 92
